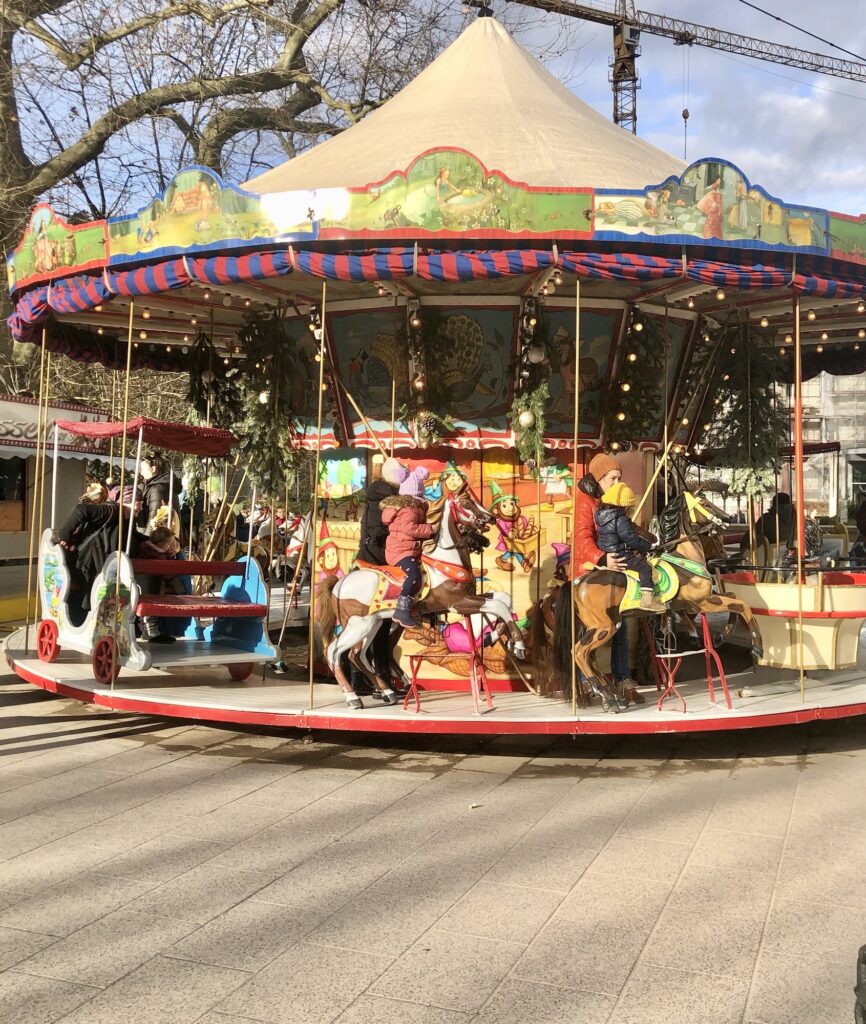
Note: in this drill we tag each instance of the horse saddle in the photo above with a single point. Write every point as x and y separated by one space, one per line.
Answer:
390 584
666 585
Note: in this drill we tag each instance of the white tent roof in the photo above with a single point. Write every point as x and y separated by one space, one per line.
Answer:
488 95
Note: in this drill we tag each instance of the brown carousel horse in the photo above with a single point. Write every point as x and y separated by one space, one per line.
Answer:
596 596
359 602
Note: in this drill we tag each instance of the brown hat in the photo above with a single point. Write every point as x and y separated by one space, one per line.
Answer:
601 464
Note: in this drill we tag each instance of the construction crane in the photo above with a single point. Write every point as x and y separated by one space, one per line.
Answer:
628 23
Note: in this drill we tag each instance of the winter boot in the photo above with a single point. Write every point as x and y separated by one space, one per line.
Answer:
648 603
403 616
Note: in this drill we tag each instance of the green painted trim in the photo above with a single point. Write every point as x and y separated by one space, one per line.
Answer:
687 564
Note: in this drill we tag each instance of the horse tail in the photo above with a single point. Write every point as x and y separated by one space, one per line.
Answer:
563 637
541 653
326 610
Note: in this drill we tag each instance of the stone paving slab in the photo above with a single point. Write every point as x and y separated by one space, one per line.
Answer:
163 872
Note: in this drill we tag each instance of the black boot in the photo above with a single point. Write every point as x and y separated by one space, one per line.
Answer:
403 616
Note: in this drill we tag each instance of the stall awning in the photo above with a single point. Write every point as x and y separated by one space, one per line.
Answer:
175 437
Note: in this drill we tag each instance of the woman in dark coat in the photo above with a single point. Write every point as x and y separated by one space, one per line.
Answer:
157 476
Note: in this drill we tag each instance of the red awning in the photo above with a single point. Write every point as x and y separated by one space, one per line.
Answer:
175 437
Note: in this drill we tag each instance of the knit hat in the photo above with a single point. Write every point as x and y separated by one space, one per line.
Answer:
497 494
601 464
619 494
562 552
394 472
413 485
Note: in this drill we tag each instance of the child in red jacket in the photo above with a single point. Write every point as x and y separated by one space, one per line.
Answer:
405 515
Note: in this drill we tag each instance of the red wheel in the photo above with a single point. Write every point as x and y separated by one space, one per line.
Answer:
47 647
105 660
240 670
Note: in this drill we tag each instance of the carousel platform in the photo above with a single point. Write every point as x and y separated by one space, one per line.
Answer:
761 698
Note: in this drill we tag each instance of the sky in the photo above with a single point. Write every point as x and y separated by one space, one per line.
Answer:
797 134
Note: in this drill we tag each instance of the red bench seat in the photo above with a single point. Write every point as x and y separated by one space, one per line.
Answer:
178 567
168 606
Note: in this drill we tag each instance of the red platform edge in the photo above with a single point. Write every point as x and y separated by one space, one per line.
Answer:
359 721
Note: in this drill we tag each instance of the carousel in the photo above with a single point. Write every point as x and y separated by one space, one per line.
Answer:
488 285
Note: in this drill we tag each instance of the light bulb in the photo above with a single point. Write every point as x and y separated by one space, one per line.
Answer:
789 339
248 303
861 306
615 446
415 321
782 351
145 314
168 348
206 294
620 416
861 333
264 397
720 294
811 314
684 421
707 426
638 326
625 387
819 348
318 357
557 279
325 386
185 350
691 303
227 300
824 335
193 320
707 337
186 337
143 335
99 330
765 321
733 351
726 377
544 289
632 357
98 309
532 321
856 347
419 384
381 289
226 361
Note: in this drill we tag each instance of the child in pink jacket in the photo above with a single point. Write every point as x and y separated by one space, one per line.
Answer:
405 515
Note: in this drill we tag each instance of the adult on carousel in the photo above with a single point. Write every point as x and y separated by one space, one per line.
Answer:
603 472
372 549
156 473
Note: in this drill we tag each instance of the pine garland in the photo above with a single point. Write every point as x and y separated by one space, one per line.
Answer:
529 439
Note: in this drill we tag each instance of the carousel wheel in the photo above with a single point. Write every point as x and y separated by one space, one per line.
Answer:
240 670
105 660
47 647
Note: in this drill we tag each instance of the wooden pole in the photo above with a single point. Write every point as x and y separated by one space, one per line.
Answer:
801 495
315 505
337 380
575 439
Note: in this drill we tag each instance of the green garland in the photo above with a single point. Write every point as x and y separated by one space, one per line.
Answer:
529 439
213 392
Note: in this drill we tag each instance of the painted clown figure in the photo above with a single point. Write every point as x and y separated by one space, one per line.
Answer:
512 526
328 556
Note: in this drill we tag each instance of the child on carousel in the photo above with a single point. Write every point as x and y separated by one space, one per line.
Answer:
617 535
405 515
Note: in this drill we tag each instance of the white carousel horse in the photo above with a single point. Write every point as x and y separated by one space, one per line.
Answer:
359 602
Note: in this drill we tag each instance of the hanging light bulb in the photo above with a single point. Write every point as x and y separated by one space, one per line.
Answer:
193 320
544 289
557 279
720 294
98 308
168 348
380 289
819 348
765 322
418 384
708 426
227 300
248 303
264 397
861 306
145 314
824 335
625 387
783 351
707 337
811 314
620 416
143 335
726 377
691 303
186 337
185 350
789 339
614 446
632 357
856 347
318 357
684 421
206 294
226 361
99 330
637 326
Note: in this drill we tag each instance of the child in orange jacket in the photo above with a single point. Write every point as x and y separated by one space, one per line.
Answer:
405 515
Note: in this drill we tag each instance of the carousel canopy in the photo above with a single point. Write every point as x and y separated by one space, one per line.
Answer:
488 95
175 437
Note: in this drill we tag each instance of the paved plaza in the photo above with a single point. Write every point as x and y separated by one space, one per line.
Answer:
161 872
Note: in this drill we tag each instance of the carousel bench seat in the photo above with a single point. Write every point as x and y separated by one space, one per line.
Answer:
168 606
179 567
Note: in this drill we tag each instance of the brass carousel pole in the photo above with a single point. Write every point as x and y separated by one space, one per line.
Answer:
34 493
801 494
42 442
576 434
315 507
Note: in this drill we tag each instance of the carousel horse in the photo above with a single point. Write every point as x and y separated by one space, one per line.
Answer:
359 602
601 596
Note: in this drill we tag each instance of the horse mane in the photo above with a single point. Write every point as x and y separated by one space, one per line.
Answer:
670 519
